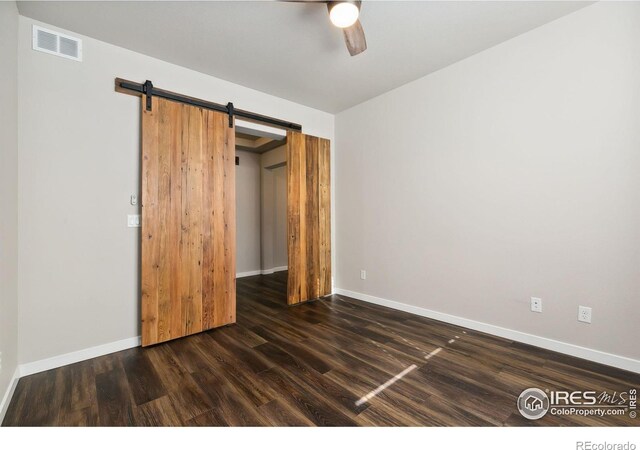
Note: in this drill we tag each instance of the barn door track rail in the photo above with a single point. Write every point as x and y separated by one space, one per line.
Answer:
148 90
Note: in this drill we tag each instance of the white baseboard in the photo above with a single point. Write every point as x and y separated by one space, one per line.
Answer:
621 362
6 398
274 269
261 272
77 356
248 274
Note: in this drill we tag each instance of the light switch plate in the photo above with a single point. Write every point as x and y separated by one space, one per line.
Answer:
133 220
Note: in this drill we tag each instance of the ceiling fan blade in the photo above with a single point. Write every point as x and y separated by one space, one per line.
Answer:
354 38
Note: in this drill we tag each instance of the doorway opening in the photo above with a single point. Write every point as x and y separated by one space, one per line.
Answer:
261 202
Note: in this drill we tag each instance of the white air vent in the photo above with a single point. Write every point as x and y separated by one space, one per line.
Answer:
55 43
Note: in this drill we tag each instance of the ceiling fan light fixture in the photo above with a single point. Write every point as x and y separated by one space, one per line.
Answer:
343 14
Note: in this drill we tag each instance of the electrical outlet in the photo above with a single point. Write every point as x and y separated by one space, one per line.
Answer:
584 314
363 274
0 361
536 304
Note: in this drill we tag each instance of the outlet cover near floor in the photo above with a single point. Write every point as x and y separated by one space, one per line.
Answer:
363 274
584 314
536 304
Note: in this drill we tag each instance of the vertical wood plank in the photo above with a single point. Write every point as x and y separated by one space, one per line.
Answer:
193 216
208 237
166 145
174 225
184 263
218 217
149 204
302 248
229 202
312 220
324 212
293 216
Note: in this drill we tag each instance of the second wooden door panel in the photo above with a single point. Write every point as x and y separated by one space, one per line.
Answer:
309 217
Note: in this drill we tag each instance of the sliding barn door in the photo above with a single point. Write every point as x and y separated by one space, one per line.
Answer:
188 221
309 217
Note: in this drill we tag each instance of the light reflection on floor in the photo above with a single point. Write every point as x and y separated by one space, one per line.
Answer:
388 383
399 376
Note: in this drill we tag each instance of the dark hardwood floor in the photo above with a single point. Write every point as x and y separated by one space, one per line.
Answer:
315 364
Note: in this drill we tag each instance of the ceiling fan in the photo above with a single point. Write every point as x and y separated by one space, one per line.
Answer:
344 14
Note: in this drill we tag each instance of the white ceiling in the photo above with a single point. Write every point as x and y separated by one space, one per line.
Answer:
291 50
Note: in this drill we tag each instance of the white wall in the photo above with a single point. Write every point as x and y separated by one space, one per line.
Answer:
248 212
511 174
79 163
274 210
8 196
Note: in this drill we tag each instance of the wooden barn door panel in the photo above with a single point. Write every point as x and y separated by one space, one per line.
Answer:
309 217
188 221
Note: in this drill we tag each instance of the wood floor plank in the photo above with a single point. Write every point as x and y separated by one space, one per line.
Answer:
16 414
280 414
237 373
172 373
211 418
41 411
377 416
106 363
85 417
144 382
190 401
83 388
237 410
314 408
312 380
240 334
247 355
401 399
158 412
114 399
298 349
